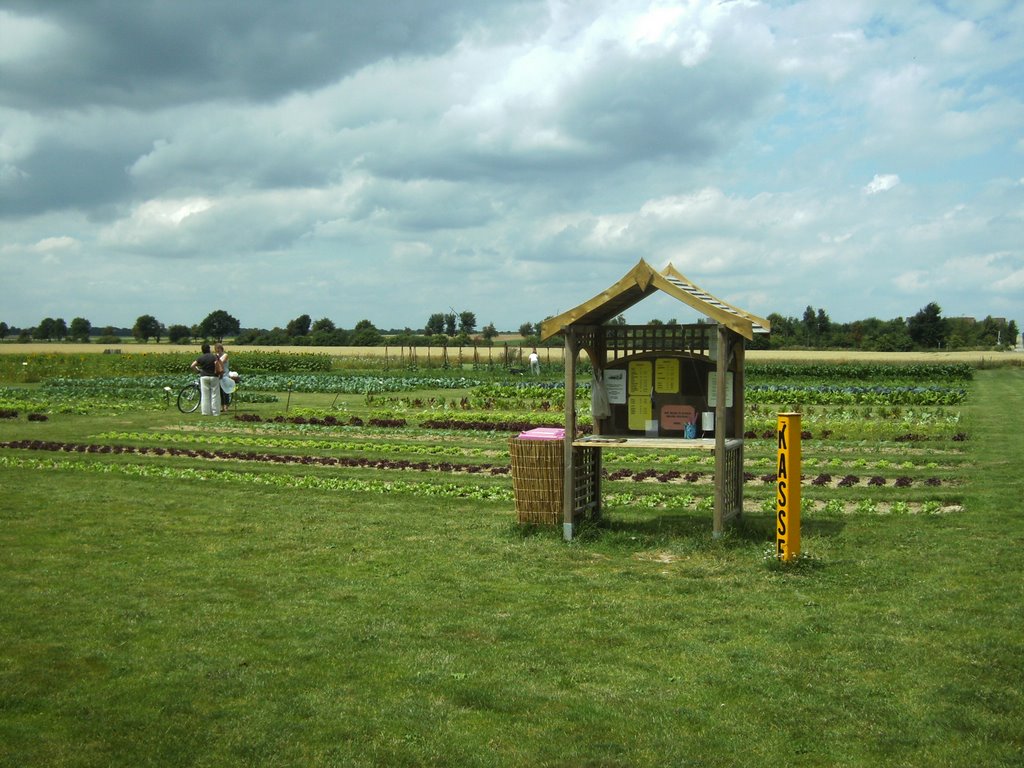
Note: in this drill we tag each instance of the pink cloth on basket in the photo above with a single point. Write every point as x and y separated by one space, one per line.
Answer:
543 433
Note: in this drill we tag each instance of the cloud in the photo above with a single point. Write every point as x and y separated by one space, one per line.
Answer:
51 244
353 160
881 183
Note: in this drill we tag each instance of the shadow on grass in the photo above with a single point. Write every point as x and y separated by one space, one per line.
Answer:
689 530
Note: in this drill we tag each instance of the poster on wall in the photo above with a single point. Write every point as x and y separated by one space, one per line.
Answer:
713 389
640 377
674 417
639 411
666 375
615 386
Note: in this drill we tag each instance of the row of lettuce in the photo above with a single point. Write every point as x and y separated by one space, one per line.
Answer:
902 389
37 367
837 394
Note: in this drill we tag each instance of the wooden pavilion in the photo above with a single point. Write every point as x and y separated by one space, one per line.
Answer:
676 387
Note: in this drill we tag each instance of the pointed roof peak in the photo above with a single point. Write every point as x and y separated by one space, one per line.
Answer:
642 281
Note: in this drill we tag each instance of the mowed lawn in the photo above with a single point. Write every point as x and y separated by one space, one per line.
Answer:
169 621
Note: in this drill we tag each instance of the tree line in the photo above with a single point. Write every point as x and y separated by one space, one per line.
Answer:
925 330
441 328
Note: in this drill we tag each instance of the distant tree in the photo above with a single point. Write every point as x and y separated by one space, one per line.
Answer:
80 329
339 337
404 338
60 328
277 336
4 330
46 329
927 328
527 329
810 325
1012 333
894 337
109 336
449 323
299 326
323 324
219 324
783 329
179 334
467 322
249 336
366 334
489 333
990 332
435 324
822 324
147 327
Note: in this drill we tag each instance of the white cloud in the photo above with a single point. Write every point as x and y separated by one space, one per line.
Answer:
881 183
25 39
49 244
378 166
1012 283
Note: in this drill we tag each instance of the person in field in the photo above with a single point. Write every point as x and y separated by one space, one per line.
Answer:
227 381
208 366
535 362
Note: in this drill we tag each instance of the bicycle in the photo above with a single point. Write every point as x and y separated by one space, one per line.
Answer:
189 397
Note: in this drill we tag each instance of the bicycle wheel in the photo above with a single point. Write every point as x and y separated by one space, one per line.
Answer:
188 398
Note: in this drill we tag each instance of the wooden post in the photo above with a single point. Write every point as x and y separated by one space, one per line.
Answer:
718 524
739 406
568 480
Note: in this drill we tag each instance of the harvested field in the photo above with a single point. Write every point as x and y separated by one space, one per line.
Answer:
553 354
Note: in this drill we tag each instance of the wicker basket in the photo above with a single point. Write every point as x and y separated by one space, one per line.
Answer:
538 469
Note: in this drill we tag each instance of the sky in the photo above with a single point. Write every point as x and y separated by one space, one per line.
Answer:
386 161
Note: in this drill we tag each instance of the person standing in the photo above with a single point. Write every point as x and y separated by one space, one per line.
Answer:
535 362
227 384
208 366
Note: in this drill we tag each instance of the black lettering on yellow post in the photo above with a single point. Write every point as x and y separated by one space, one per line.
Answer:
787 495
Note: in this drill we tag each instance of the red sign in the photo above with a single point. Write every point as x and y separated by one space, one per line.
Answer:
676 417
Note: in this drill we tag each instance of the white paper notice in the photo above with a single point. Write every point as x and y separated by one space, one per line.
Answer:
615 386
713 389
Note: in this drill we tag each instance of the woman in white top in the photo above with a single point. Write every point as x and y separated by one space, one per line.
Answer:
227 384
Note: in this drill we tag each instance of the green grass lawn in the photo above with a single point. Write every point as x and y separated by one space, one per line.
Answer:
173 621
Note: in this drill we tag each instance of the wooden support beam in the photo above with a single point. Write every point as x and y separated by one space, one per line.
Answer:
569 479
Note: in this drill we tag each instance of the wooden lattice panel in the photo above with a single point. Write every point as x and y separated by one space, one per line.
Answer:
732 491
624 340
586 482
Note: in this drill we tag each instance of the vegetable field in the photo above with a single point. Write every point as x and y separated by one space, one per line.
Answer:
878 439
331 574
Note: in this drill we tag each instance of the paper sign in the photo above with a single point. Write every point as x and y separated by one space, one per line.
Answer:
666 375
713 389
639 411
640 375
615 386
676 417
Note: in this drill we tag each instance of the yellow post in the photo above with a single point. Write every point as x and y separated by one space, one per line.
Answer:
787 489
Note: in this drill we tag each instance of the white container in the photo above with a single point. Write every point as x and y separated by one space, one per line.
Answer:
707 421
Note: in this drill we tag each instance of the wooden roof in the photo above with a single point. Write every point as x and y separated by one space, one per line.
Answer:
639 283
